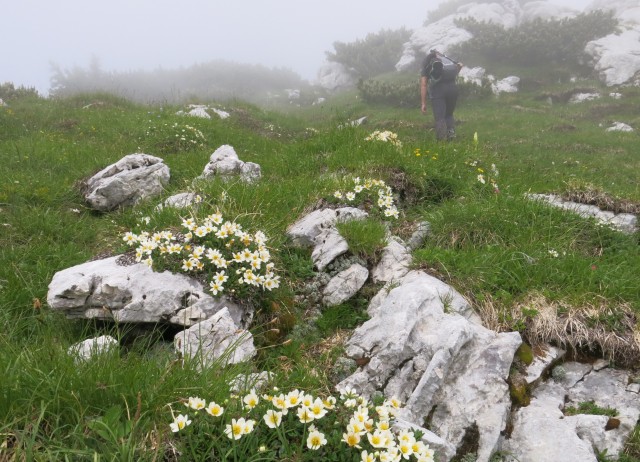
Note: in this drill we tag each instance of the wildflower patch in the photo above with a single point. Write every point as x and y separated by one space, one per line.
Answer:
297 425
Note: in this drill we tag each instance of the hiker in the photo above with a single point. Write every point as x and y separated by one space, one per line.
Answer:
438 80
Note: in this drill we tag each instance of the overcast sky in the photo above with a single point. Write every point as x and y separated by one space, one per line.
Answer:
147 34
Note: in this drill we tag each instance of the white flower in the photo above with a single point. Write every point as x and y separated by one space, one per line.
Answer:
235 429
251 400
316 440
272 418
179 423
214 409
196 403
481 179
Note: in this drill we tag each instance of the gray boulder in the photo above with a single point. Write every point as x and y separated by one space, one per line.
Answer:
305 231
224 162
133 178
217 340
87 349
104 289
345 285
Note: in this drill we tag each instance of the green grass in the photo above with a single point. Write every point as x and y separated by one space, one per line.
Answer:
489 246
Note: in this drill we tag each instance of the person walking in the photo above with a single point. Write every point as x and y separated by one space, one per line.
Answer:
438 81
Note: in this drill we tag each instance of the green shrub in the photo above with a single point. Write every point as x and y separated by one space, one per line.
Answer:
9 92
537 42
377 54
389 93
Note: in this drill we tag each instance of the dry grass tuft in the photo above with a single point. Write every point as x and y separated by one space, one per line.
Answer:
612 332
592 195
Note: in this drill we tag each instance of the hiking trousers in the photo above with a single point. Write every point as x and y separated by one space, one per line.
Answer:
443 97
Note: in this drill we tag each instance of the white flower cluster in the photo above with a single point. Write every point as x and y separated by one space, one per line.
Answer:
385 136
366 427
212 246
384 192
482 176
185 136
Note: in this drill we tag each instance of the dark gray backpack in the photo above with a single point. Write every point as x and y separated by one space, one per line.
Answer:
443 69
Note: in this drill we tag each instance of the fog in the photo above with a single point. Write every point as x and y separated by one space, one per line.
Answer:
131 35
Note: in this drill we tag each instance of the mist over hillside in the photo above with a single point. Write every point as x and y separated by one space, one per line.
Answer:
509 33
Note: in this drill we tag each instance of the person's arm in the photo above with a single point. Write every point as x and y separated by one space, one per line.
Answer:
423 93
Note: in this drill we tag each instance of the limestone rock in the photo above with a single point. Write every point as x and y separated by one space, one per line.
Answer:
305 231
86 349
541 431
418 348
215 340
623 222
224 162
103 289
133 178
345 285
328 246
334 76
619 127
542 362
179 201
394 263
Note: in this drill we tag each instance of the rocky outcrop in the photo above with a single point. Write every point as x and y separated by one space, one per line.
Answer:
542 431
616 57
335 76
133 178
451 371
345 285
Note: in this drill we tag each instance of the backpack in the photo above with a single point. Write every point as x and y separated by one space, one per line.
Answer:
443 69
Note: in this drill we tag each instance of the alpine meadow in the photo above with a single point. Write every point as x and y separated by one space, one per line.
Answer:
551 275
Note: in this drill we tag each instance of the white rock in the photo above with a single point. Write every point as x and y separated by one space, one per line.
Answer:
582 97
257 381
334 76
422 351
328 246
472 75
345 285
199 112
89 348
103 289
222 114
305 231
178 201
133 178
215 341
541 363
224 162
506 85
394 263
619 127
616 56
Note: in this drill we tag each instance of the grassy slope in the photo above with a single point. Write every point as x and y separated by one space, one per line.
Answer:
479 239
